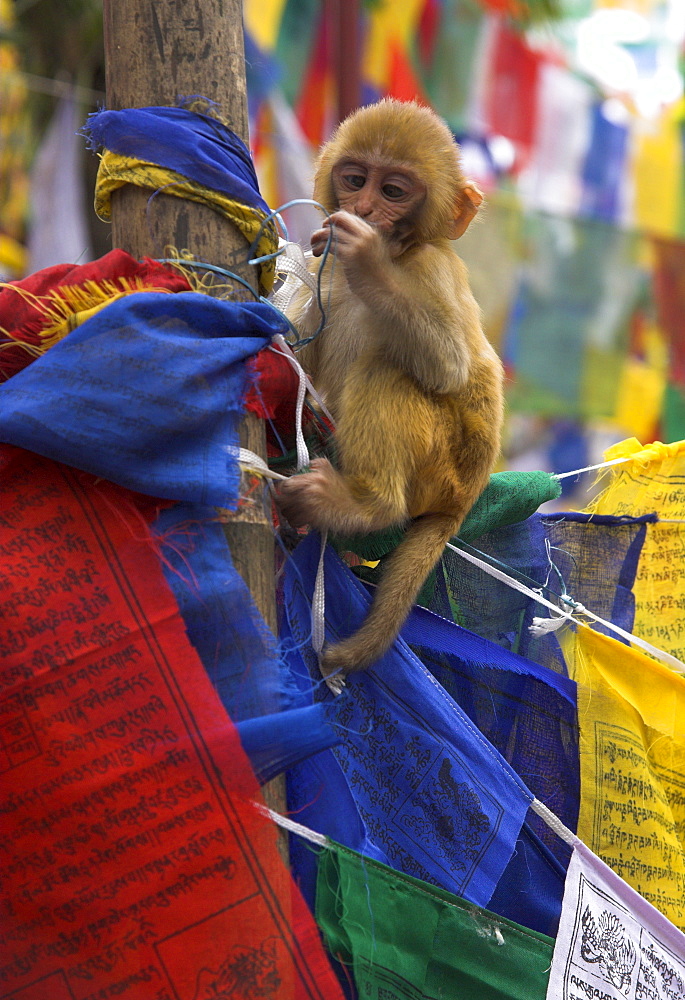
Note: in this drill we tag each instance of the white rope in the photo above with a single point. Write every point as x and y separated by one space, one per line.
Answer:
560 613
292 357
335 682
592 468
554 823
304 386
250 462
545 814
292 826
302 450
319 601
293 263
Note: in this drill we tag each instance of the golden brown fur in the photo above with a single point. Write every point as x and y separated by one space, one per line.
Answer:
402 363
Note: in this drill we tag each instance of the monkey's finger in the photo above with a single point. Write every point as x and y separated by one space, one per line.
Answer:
346 222
320 239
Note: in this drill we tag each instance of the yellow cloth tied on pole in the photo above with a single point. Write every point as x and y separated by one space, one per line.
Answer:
652 480
631 716
116 170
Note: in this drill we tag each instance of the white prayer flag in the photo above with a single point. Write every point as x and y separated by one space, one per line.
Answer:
612 944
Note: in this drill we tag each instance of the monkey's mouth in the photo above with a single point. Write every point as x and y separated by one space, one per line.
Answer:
391 230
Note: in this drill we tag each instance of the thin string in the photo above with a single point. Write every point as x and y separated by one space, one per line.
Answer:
577 608
276 214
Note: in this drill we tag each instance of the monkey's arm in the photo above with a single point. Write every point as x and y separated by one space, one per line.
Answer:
424 315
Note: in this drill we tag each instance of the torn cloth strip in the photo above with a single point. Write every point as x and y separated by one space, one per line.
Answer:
42 308
134 860
416 782
611 943
147 393
405 939
195 145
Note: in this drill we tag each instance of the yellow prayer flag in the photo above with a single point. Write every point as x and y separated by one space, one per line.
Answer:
652 480
388 21
641 391
632 766
657 174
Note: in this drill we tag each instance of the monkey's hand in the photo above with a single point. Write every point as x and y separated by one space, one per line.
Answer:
356 243
303 498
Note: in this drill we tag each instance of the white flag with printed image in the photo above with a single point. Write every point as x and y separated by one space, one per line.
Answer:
612 944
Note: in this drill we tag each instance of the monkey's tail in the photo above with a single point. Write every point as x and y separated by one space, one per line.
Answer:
403 577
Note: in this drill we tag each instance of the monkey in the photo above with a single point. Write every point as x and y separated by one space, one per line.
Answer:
402 362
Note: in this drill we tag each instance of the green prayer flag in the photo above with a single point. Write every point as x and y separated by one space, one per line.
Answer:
409 940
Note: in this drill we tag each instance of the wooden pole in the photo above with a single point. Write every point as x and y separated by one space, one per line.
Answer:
344 32
157 51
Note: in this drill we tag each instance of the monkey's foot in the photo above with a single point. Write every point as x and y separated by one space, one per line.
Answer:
342 659
335 683
332 675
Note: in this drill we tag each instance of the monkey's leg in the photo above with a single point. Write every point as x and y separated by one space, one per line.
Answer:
402 579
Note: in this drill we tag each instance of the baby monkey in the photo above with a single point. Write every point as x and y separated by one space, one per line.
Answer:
402 363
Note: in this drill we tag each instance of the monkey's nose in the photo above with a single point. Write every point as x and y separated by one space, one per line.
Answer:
363 208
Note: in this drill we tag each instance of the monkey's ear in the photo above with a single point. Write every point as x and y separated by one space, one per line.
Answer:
469 202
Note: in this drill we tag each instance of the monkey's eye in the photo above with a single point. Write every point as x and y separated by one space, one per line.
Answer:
393 192
356 181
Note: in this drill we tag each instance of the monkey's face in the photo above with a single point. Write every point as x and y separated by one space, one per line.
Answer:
387 197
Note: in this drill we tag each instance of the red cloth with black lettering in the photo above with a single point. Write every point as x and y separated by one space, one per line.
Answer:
134 860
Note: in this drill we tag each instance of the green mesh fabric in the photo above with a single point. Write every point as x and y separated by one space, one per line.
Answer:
408 940
508 498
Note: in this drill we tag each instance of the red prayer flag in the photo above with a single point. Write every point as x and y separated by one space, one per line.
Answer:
403 83
428 27
511 99
134 862
669 294
313 105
